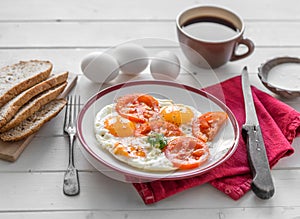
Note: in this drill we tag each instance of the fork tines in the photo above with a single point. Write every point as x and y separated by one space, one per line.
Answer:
72 110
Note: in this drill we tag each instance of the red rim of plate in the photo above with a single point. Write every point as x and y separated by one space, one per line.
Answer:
144 176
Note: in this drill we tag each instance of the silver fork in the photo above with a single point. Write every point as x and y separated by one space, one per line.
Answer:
71 181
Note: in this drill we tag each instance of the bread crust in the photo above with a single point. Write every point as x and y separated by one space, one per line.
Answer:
33 123
34 105
8 111
18 77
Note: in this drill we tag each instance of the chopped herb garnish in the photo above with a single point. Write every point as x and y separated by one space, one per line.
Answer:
157 140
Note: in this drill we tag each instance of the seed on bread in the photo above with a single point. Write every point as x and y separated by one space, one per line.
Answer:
18 77
33 123
34 105
11 108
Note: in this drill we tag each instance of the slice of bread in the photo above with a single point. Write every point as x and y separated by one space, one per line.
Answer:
12 107
18 77
33 123
34 105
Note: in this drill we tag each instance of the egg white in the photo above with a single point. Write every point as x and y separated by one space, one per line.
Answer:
155 159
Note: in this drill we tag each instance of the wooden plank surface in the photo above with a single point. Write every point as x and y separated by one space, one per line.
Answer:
64 31
10 151
102 193
61 34
75 55
116 10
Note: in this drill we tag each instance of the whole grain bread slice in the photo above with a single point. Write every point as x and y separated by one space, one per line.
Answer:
34 105
11 108
18 77
33 123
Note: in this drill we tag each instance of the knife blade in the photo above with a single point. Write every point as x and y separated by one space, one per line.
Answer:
262 184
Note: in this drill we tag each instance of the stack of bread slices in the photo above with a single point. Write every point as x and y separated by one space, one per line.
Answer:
28 97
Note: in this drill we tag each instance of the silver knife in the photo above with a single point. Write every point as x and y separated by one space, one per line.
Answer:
262 183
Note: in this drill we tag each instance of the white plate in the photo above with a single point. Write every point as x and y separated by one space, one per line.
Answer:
221 148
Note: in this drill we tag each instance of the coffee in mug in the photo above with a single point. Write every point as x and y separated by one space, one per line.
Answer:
209 36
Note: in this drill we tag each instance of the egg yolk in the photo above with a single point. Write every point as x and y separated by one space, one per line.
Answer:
119 127
177 114
129 150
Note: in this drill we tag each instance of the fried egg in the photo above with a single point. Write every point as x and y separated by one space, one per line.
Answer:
116 135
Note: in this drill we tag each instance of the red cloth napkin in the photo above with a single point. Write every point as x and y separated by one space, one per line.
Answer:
279 123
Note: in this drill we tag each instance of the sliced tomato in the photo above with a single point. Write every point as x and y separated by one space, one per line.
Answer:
187 152
142 129
159 126
208 125
166 128
137 107
149 100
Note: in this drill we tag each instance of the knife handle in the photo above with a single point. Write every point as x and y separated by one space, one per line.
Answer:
262 184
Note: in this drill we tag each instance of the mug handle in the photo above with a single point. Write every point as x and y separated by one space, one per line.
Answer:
249 44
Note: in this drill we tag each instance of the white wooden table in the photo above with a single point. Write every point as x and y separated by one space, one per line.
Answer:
64 31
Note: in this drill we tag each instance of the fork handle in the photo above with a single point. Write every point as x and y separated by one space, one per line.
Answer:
71 180
71 149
